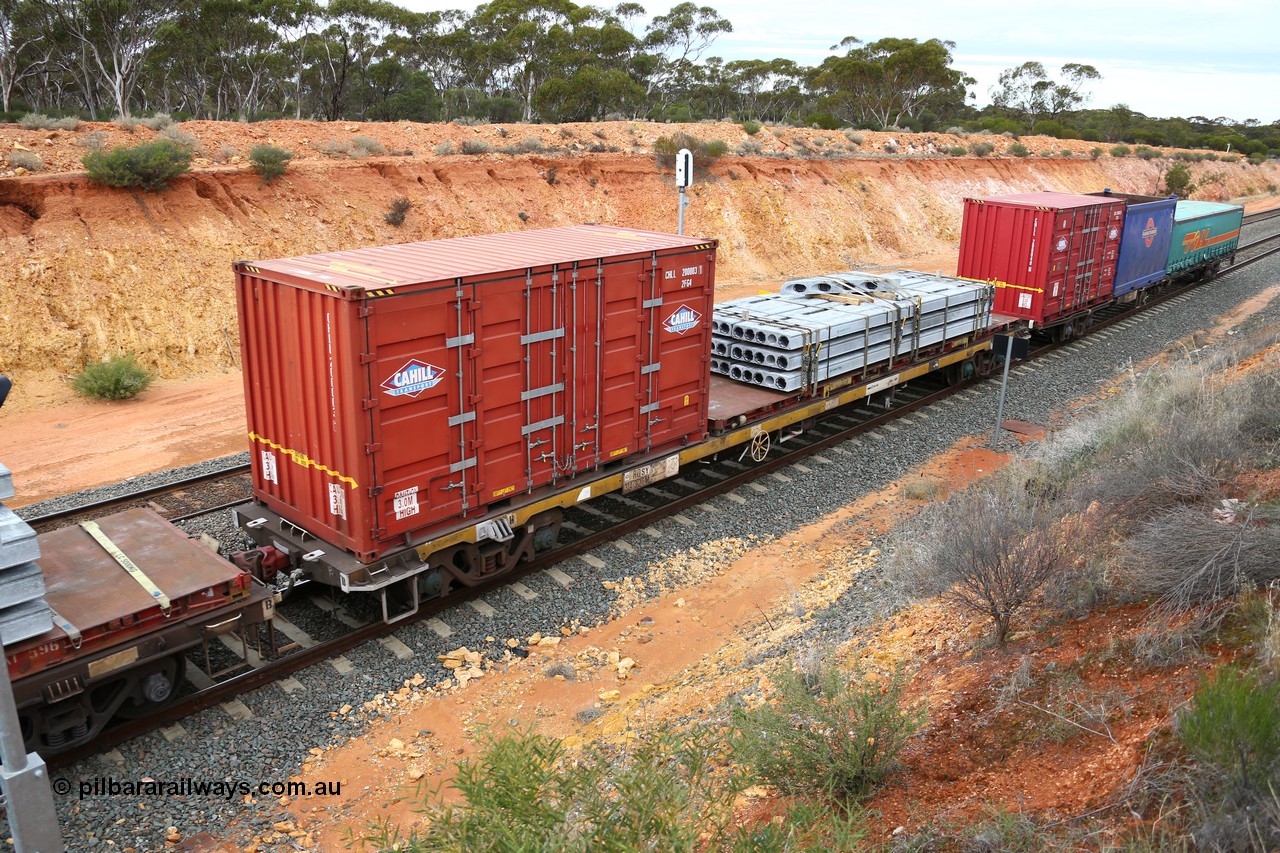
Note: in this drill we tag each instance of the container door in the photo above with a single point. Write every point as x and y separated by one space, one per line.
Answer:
607 328
675 362
422 402
520 389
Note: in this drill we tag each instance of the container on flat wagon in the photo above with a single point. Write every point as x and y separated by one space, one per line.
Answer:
396 391
1145 241
1050 255
1203 233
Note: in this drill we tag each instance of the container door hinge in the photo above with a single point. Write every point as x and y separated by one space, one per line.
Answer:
367 358
370 449
364 310
374 491
369 403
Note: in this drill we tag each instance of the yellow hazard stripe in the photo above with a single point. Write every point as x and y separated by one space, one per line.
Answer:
999 283
304 460
92 528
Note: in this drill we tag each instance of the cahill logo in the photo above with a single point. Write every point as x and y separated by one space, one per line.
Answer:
682 320
412 379
1149 233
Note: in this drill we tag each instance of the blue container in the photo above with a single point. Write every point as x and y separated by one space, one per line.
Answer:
1144 245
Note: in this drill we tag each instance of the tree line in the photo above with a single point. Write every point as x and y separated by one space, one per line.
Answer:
520 60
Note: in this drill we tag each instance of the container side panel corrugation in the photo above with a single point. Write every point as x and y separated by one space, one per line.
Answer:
1051 255
1202 232
1144 245
383 414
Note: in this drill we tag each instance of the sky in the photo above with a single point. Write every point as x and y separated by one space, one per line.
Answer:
1162 58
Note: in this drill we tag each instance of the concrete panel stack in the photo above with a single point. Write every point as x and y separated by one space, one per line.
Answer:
23 611
821 328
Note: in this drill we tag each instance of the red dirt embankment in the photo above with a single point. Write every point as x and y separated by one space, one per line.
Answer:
87 271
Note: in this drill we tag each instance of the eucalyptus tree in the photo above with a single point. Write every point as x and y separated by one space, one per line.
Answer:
678 40
111 39
766 90
24 46
518 41
595 73
1027 92
882 83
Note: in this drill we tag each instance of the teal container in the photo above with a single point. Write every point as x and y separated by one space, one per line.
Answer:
1204 233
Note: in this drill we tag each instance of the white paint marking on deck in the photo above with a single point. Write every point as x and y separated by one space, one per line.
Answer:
396 647
440 627
341 665
738 499
292 631
624 547
592 561
522 591
560 577
780 477
685 520
482 608
174 732
290 685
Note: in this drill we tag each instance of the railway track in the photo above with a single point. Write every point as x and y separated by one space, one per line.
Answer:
237 668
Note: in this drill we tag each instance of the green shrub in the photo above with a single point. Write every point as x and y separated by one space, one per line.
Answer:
665 149
159 121
1177 180
854 137
1067 152
365 146
1121 151
36 121
1095 152
829 732
522 793
1233 724
269 161
177 135
395 216
25 160
981 149
751 128
150 166
748 147
957 151
117 378
444 149
476 146
1142 152
1017 149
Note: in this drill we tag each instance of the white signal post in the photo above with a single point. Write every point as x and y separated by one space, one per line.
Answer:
684 177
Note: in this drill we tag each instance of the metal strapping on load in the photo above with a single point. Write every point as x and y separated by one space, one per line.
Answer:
91 527
72 632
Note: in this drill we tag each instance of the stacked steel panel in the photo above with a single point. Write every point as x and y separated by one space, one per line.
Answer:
23 611
821 328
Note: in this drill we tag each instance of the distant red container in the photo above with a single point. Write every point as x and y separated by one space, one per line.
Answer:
1051 255
394 392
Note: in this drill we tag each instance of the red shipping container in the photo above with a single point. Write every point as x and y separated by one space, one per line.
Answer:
396 392
1050 255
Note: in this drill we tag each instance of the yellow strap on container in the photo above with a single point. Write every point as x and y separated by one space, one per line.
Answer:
91 527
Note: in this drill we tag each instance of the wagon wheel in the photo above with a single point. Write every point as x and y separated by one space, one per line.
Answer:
759 446
984 363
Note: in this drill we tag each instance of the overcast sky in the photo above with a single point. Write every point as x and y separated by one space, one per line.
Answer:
1160 57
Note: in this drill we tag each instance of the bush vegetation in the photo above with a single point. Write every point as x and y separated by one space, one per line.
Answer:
1017 149
665 149
150 166
269 161
751 128
399 207
28 160
37 121
476 146
1121 151
981 149
117 378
